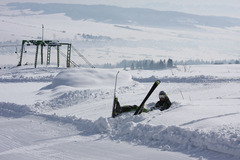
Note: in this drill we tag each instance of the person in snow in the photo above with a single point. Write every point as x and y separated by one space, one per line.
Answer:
126 108
163 103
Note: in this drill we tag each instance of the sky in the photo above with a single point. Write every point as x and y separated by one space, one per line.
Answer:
228 8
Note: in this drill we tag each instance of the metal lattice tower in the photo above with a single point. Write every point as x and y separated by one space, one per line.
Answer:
49 44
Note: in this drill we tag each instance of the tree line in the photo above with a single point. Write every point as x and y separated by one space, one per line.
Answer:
162 64
145 64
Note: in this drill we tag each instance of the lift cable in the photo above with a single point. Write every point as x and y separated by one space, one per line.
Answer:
85 59
71 61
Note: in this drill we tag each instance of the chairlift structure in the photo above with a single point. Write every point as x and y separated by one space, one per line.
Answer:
49 44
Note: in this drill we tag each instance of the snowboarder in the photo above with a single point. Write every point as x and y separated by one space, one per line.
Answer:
163 103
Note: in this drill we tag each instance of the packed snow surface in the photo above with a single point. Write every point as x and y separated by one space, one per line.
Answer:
57 113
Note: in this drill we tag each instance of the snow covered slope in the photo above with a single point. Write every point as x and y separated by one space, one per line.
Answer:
66 114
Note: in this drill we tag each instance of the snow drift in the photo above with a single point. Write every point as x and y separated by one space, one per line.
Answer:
90 78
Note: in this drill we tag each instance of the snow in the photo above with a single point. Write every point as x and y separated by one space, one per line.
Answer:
65 113
68 116
83 77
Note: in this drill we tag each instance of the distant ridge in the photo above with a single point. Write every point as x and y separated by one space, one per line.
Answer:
129 16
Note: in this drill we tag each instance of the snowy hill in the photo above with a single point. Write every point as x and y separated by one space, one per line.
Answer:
66 113
128 16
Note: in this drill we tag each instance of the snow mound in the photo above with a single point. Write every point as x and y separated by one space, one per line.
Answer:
134 129
67 99
13 110
90 78
224 139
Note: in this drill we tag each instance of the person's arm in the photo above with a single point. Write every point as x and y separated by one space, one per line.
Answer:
158 105
169 103
166 104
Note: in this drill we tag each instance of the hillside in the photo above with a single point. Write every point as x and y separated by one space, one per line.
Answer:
128 16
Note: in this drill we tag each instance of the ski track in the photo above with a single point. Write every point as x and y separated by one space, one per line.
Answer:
133 129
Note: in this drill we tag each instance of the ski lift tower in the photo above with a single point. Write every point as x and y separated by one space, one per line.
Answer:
49 44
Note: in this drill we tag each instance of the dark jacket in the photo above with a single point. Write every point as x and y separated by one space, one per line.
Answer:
163 104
